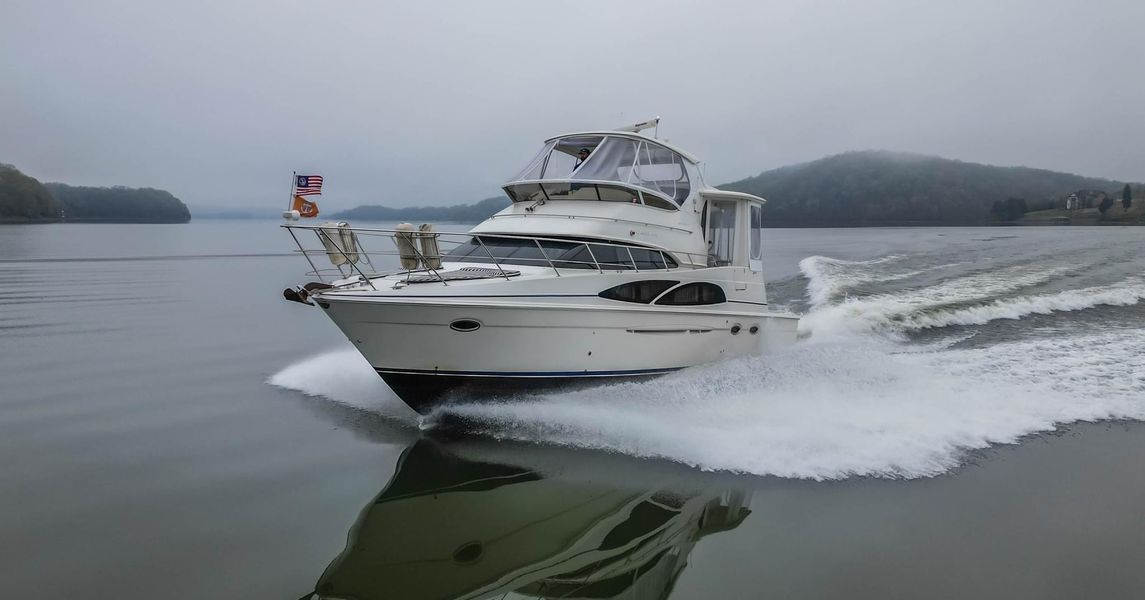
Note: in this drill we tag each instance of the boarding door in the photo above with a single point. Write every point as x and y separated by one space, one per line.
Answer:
721 233
755 254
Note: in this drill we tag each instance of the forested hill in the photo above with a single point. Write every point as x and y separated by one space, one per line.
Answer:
890 188
22 198
118 204
464 213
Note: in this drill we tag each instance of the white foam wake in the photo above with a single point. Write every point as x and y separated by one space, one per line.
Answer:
826 411
966 300
828 278
342 376
1124 293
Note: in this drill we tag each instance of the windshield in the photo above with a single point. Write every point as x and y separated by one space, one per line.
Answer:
628 161
559 254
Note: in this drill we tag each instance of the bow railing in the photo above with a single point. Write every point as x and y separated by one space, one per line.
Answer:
418 254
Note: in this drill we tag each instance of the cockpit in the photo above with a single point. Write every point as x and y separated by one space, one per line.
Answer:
607 167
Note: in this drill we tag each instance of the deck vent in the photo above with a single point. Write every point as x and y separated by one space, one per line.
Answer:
465 325
462 274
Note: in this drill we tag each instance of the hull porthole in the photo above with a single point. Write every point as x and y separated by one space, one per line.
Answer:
736 328
754 329
465 325
468 553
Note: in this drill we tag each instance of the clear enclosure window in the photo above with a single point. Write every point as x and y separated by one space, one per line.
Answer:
659 169
533 169
559 165
622 160
611 161
721 233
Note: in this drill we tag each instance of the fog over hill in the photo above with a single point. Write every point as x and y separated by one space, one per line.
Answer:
885 188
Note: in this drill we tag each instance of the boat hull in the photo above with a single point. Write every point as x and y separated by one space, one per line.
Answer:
515 347
425 391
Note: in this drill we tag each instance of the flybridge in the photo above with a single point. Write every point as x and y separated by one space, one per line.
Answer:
607 166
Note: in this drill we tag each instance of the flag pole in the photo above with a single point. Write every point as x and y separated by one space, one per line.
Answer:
293 183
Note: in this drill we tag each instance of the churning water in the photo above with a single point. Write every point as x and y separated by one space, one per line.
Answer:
913 359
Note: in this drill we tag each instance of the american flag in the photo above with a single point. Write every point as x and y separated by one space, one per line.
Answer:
307 185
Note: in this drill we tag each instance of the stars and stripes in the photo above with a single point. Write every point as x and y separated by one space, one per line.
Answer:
307 185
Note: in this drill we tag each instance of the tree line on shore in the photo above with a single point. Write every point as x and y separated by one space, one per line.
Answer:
23 198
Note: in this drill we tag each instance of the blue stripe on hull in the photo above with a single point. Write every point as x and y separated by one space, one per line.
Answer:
660 371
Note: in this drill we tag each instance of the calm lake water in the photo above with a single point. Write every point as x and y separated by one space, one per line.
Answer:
962 422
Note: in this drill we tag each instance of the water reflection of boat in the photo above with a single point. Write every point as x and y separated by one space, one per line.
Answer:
452 527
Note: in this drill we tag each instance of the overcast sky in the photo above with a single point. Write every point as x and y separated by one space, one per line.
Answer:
438 103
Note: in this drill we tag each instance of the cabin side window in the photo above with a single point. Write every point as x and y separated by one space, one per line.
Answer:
694 294
560 254
643 292
721 233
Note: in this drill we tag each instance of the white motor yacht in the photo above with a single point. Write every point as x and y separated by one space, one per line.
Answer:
613 261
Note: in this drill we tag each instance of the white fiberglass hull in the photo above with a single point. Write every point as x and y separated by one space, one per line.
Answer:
521 344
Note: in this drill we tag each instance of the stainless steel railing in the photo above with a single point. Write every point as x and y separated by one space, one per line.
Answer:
356 259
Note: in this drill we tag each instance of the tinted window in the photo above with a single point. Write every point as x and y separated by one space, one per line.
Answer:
657 202
651 259
563 255
511 251
578 258
638 291
693 294
608 193
611 257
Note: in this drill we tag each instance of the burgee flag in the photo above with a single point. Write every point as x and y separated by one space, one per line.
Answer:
305 208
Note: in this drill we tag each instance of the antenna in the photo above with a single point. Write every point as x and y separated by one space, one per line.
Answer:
638 127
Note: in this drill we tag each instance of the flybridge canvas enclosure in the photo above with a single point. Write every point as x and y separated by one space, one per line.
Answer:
627 169
734 229
630 188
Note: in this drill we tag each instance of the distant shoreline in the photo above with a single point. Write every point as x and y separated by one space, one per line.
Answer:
766 225
21 221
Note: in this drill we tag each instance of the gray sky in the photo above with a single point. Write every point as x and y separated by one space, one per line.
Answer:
438 103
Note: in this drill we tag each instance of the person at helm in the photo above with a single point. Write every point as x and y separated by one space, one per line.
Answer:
581 156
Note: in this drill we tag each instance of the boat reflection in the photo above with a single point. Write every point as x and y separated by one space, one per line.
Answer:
463 523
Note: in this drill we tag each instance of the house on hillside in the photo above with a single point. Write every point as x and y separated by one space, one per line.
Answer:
1084 199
